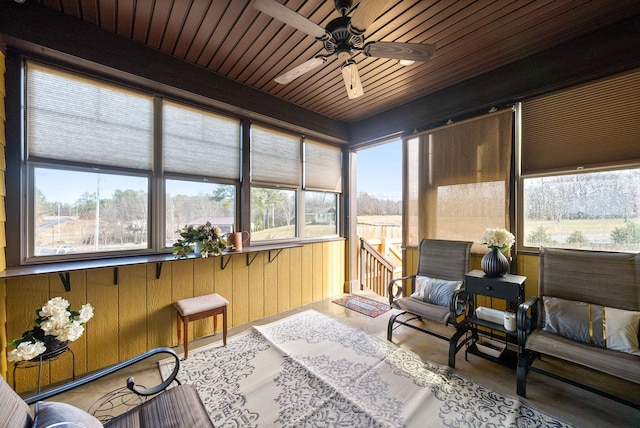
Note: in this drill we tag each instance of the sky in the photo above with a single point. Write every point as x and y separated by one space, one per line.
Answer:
380 171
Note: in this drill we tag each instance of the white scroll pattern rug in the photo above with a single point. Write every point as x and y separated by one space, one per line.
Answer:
312 370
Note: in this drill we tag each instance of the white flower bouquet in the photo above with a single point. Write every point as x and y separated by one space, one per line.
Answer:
55 318
498 238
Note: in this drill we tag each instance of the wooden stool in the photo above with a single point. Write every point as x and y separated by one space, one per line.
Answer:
195 308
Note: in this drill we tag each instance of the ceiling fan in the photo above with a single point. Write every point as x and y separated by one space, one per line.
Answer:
344 37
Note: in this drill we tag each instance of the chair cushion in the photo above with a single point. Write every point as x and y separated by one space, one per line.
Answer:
14 412
180 406
426 310
195 305
434 290
620 364
51 413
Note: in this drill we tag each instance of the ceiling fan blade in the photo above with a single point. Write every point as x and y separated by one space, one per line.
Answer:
396 50
352 79
298 71
366 12
284 14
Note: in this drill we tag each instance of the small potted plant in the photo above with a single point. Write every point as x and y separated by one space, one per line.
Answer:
204 240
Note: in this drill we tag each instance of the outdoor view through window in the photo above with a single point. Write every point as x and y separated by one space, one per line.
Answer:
594 210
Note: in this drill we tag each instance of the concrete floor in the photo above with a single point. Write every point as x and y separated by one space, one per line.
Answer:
564 401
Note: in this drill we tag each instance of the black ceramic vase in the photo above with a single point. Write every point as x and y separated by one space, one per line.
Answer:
53 345
494 263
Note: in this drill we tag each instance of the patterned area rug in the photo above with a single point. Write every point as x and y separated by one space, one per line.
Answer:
311 370
363 305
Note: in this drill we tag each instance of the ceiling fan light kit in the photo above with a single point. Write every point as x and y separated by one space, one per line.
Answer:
344 38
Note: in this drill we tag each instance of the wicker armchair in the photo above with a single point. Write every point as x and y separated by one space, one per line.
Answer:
444 260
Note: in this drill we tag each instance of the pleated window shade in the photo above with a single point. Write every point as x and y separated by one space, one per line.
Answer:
322 167
74 118
198 142
595 124
276 157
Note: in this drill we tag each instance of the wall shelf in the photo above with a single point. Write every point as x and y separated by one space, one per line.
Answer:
63 269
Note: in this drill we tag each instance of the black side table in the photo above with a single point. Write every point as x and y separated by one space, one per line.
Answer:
509 288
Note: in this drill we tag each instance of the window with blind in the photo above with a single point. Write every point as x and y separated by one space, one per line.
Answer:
201 159
112 170
291 174
580 174
90 158
322 185
462 174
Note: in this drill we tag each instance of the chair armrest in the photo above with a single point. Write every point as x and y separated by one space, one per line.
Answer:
458 305
526 323
112 369
396 291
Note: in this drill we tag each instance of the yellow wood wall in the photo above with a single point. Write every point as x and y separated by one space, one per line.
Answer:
137 313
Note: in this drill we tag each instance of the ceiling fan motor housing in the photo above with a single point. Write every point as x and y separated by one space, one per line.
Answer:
342 40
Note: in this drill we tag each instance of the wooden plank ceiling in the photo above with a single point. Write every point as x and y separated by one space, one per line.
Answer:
232 38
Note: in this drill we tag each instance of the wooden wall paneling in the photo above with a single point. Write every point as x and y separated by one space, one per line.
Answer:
338 267
203 283
224 287
258 294
326 263
270 284
295 277
182 272
62 369
240 290
307 274
317 266
24 296
102 330
132 304
284 280
160 328
527 265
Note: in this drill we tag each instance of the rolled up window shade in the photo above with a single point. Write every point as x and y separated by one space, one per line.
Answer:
596 124
275 157
73 118
323 169
199 142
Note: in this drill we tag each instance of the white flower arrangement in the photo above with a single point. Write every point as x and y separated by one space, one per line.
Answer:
55 318
498 238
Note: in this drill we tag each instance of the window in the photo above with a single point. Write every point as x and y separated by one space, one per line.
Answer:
79 212
90 156
463 179
320 214
107 169
322 184
273 214
594 210
580 178
189 202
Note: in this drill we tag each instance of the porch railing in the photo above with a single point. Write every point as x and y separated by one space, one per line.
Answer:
375 270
